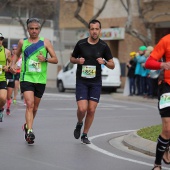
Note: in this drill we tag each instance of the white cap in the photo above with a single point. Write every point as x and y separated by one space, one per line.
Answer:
1 36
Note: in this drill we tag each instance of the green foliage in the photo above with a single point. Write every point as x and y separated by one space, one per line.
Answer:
150 133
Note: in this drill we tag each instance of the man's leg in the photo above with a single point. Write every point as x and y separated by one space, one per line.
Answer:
8 103
3 96
162 143
82 108
81 112
36 104
16 91
88 121
90 115
29 116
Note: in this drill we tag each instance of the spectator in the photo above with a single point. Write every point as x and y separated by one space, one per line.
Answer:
139 69
131 65
152 78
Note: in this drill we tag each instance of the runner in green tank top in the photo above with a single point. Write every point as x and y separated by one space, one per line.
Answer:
5 56
33 71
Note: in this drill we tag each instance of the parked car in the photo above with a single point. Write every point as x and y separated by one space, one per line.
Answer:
111 79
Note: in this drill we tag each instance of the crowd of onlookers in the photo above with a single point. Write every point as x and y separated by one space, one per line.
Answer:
142 82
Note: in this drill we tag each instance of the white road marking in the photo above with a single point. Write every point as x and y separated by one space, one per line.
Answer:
94 147
58 95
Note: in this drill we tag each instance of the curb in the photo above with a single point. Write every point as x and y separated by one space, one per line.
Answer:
135 142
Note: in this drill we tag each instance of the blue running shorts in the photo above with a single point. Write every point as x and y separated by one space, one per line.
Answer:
88 90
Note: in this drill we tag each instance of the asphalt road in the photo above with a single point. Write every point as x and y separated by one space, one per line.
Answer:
55 147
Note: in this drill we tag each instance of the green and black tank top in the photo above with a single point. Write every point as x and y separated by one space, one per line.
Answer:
32 70
3 62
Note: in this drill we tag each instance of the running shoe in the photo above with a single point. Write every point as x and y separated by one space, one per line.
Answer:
30 137
77 130
8 111
85 140
1 116
24 128
14 101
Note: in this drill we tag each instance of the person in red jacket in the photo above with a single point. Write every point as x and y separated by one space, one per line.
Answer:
17 75
159 59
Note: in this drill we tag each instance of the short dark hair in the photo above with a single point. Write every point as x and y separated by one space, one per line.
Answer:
93 22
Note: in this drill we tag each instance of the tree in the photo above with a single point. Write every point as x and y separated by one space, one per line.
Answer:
42 9
79 7
3 3
143 10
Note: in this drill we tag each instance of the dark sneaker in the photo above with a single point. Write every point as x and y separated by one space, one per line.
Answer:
8 111
30 137
77 130
85 140
24 128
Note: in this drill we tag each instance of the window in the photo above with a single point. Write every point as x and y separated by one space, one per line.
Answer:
68 67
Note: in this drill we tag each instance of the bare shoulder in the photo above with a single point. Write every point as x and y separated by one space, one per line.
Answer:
20 42
47 42
7 51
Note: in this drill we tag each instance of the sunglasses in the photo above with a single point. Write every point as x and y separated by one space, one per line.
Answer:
1 39
32 20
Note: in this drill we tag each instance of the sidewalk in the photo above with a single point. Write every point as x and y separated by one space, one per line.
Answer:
120 96
132 140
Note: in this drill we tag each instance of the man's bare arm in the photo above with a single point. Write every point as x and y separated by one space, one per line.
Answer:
51 51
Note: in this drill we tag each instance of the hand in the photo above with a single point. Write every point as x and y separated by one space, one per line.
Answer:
165 66
5 68
40 57
81 60
12 69
100 60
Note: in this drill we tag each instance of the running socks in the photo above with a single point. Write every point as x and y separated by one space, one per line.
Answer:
8 103
160 149
84 134
29 130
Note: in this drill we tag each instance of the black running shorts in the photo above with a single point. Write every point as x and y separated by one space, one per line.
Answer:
37 88
3 85
164 99
11 83
17 76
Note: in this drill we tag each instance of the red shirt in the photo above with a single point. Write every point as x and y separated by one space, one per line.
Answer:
162 49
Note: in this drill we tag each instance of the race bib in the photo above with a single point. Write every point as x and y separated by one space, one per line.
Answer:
34 66
164 100
88 71
0 69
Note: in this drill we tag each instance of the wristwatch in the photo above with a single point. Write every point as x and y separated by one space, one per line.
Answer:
46 59
105 62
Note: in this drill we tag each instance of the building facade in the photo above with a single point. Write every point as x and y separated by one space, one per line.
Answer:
114 16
